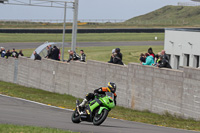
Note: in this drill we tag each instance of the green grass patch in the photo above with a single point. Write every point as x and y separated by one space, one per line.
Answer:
174 16
130 53
68 101
6 128
90 37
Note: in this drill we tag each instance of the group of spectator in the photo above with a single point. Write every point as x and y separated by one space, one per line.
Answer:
160 60
54 54
116 57
8 53
73 56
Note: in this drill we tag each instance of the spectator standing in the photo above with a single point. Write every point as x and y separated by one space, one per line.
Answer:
3 52
142 58
151 53
83 56
14 53
165 56
72 56
49 52
8 54
55 53
47 48
164 63
149 60
20 53
117 59
37 56
112 56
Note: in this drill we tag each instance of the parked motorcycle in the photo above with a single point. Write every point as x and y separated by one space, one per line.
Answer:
96 111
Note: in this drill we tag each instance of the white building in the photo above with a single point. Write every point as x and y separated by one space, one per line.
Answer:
183 47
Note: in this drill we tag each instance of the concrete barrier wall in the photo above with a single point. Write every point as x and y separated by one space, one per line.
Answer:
138 87
157 90
191 93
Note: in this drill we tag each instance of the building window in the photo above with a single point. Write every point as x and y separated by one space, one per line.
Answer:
196 61
177 61
186 60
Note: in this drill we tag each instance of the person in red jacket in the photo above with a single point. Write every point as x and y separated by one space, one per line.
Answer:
90 96
151 53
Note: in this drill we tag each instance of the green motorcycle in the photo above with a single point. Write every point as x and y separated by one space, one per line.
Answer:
96 111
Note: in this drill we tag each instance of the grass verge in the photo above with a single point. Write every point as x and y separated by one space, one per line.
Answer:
67 101
89 37
6 128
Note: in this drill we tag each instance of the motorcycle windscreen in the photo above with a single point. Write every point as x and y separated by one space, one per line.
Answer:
110 95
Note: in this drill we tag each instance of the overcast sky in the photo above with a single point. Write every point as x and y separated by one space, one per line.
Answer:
88 9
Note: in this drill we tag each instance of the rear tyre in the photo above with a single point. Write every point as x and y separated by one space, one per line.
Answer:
99 119
76 117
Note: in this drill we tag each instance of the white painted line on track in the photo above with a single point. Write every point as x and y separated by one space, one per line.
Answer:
35 102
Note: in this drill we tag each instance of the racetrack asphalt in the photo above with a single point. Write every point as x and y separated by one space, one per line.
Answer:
30 45
22 112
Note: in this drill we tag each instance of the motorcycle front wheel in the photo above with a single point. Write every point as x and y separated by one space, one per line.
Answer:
100 118
75 117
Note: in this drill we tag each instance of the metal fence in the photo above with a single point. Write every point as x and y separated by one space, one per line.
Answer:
61 20
92 23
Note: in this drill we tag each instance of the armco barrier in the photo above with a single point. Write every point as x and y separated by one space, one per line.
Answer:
138 87
136 30
121 30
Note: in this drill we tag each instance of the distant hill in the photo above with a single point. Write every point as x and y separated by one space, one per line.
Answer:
187 14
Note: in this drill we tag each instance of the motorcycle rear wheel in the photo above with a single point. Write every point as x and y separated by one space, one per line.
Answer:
99 119
76 117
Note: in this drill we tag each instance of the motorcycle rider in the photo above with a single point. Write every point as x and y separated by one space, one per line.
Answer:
90 96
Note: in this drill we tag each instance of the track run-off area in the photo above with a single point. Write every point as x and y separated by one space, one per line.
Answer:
24 112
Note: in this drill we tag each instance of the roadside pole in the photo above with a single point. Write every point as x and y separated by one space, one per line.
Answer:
74 30
64 25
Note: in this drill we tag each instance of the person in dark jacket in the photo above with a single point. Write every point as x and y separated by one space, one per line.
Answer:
164 63
164 55
49 52
142 58
83 56
37 56
55 53
14 53
73 56
20 53
117 59
8 54
3 52
111 57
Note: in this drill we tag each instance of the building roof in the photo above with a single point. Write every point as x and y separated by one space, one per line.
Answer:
184 29
196 0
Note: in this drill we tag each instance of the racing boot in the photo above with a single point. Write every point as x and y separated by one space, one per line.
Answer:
81 107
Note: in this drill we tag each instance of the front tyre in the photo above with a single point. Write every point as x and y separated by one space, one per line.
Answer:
75 117
100 118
